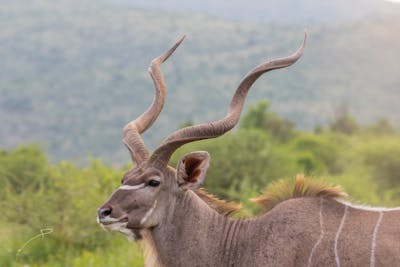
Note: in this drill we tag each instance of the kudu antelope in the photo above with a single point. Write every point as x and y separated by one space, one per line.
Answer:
183 226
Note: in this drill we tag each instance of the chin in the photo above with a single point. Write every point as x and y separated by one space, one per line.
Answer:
132 234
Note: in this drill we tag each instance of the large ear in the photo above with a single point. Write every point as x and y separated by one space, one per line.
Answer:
192 169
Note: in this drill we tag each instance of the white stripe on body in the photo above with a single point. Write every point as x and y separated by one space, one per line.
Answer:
373 244
368 208
322 232
338 234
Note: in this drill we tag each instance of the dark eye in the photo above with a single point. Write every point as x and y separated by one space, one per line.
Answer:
122 181
153 183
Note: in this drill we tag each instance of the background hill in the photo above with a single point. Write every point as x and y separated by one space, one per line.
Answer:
304 12
72 73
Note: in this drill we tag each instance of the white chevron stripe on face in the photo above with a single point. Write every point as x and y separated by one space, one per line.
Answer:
148 213
131 187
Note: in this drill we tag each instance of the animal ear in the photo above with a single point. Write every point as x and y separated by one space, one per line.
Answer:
192 169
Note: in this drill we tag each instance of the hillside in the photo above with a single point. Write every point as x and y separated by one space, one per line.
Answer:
287 12
73 73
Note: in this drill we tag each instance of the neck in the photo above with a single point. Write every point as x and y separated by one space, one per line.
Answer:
193 232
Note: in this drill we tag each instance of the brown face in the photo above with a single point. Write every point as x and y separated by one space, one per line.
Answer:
135 205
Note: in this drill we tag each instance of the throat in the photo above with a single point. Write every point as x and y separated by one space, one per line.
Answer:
151 256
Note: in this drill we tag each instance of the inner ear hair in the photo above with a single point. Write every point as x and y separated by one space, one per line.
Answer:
191 169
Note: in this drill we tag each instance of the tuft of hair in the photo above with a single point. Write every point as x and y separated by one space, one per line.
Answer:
281 190
223 207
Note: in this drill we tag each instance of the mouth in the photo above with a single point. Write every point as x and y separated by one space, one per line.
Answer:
109 222
120 225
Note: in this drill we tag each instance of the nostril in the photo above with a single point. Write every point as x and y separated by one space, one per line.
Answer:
104 212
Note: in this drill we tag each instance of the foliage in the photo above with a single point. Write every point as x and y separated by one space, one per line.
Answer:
382 127
259 117
318 153
344 124
63 197
26 166
383 159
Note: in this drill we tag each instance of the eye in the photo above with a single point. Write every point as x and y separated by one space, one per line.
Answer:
122 181
153 183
